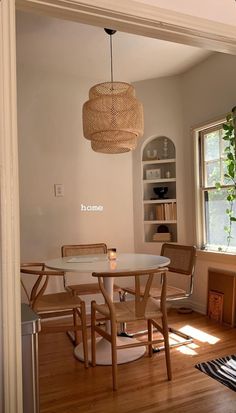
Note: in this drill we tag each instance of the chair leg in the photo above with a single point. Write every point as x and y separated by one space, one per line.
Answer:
187 338
167 346
150 332
93 338
75 324
114 354
84 334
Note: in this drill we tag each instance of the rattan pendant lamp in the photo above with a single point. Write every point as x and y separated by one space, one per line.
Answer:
112 117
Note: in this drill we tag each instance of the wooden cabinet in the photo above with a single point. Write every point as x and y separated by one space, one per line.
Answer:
224 282
159 191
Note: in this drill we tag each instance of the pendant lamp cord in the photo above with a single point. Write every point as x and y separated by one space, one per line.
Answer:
111 54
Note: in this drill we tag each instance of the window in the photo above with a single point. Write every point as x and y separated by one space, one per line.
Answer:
211 170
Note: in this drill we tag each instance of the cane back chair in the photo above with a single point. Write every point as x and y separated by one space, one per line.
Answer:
182 263
56 304
84 249
142 307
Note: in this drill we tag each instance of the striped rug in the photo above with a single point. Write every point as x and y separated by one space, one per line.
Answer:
222 369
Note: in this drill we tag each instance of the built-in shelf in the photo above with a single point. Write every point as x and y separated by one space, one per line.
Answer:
161 222
158 201
159 214
159 181
158 161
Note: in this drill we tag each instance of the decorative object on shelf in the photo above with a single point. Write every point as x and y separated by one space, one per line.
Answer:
153 174
165 149
111 254
167 174
160 191
151 154
112 117
162 229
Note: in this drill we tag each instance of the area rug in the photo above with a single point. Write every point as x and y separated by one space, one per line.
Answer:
222 369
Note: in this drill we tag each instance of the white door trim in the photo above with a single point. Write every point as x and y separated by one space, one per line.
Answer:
126 15
9 201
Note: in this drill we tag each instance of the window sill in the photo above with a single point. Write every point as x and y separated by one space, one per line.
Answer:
216 256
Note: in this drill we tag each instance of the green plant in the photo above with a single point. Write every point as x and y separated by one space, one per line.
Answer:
230 175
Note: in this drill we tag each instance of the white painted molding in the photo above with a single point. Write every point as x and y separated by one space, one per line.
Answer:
143 19
197 306
9 200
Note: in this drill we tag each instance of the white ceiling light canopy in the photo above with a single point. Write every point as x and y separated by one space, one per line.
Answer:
112 117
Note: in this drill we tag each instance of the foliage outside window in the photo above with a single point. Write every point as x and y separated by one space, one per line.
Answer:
217 178
230 173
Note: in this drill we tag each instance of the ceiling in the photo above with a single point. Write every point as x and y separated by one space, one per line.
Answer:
69 47
221 11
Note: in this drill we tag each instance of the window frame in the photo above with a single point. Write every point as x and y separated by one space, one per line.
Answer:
203 162
199 182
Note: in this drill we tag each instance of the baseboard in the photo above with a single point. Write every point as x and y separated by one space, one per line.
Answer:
195 305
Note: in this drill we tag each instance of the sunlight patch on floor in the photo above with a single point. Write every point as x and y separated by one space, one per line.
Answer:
199 335
188 349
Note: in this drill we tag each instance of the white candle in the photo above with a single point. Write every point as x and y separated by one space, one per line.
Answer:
112 254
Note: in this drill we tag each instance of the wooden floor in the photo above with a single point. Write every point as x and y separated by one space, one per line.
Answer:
66 387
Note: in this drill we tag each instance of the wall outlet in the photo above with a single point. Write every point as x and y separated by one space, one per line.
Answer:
59 189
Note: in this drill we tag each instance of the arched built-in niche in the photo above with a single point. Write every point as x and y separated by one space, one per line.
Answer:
159 190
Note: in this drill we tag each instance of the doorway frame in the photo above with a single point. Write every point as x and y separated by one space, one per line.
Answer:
125 15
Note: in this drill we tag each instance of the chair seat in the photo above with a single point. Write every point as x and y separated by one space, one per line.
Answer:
86 289
171 292
57 302
125 311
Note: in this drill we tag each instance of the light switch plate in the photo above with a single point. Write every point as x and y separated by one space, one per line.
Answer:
59 189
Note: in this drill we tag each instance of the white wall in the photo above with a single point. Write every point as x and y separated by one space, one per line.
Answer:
217 10
52 150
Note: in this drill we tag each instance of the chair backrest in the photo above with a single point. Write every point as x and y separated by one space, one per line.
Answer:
142 295
182 260
40 284
83 249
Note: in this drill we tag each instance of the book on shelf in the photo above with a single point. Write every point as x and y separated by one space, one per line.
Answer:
160 212
166 211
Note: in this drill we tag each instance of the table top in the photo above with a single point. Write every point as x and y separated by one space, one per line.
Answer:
100 263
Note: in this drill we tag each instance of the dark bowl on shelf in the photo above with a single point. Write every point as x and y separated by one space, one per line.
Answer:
160 191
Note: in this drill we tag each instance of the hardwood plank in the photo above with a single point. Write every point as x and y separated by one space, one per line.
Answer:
66 387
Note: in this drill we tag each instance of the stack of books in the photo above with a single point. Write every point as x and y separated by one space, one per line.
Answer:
166 211
162 236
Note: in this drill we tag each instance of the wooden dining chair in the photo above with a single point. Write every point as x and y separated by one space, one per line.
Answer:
54 305
142 307
182 263
84 249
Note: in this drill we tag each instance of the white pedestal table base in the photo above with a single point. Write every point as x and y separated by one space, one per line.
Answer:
103 351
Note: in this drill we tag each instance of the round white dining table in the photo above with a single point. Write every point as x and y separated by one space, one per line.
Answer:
100 263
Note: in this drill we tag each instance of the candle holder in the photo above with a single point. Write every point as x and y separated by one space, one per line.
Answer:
112 254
